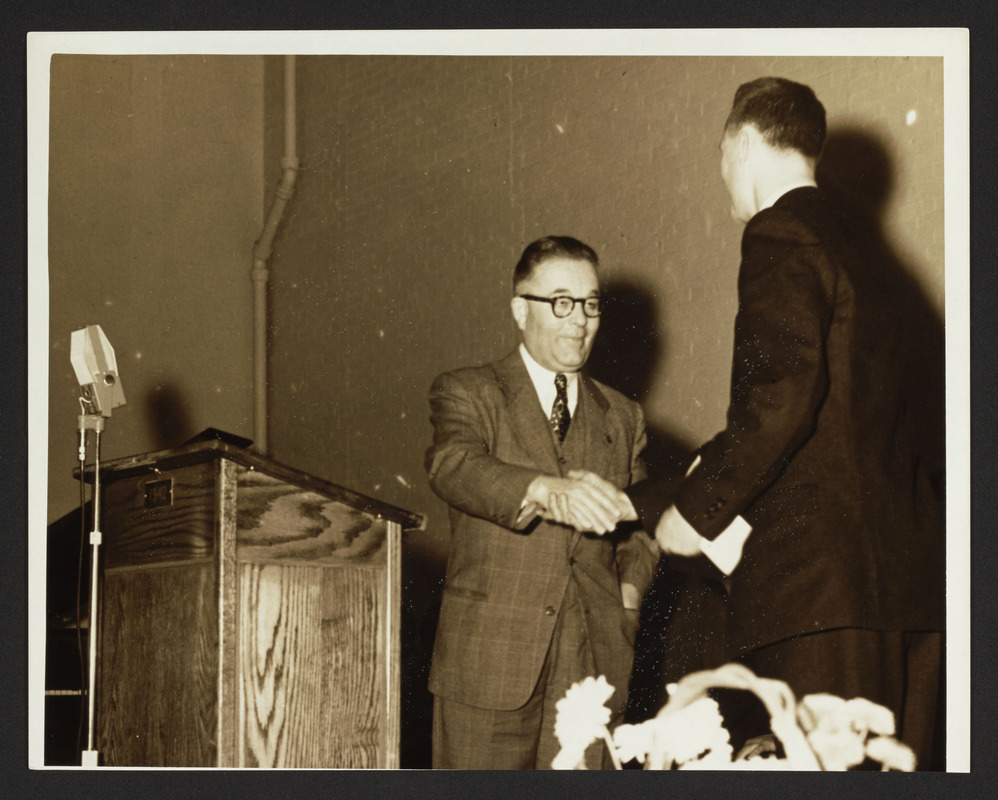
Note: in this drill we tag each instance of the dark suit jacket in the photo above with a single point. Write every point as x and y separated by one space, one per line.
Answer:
506 579
815 454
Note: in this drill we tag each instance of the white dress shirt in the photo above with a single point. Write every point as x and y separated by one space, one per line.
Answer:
543 380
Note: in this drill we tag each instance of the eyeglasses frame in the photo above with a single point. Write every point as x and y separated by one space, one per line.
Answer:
575 300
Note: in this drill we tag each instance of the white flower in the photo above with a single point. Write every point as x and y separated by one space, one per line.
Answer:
582 719
676 737
570 758
891 753
828 723
866 716
632 741
817 709
822 731
837 731
696 729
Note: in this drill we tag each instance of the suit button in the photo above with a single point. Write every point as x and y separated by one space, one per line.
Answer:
562 460
549 611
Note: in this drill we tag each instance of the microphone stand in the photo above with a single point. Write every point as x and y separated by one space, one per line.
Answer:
94 422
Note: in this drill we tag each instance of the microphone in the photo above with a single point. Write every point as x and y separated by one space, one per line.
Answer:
97 373
96 370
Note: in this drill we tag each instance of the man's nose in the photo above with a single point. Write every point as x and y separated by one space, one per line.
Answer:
578 315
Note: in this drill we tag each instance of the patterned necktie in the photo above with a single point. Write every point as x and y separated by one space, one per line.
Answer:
560 416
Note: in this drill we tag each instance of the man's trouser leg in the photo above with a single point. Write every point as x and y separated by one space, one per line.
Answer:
465 737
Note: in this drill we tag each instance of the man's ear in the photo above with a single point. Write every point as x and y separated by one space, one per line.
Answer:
748 136
519 308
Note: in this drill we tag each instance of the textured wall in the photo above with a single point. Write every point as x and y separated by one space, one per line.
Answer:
155 199
423 178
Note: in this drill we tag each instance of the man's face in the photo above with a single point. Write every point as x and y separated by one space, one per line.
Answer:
734 155
560 345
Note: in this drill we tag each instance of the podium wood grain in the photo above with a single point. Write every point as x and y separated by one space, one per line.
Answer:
159 678
313 667
250 621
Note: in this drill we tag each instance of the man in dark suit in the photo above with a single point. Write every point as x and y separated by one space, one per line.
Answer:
530 603
839 587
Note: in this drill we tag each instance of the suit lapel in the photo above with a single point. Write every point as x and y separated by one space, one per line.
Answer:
596 440
528 420
596 427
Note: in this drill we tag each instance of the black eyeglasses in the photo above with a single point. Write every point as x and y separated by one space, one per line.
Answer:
563 305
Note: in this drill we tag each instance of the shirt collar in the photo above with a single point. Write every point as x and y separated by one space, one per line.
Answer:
543 380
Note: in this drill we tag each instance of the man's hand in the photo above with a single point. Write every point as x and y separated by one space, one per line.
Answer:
581 504
621 501
630 597
676 536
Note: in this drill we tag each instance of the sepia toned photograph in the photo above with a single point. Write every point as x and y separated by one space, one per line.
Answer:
516 400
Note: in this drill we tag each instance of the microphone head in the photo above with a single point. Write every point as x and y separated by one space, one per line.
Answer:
96 370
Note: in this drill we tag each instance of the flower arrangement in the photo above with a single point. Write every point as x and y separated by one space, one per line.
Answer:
821 732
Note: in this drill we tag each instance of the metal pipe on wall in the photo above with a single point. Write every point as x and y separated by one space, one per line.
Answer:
262 250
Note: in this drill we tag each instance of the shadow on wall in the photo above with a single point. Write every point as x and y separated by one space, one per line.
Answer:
167 417
857 173
630 348
679 611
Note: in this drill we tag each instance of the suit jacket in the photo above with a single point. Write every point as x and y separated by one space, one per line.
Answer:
506 579
815 454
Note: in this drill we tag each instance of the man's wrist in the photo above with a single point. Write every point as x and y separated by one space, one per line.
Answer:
629 514
675 535
536 493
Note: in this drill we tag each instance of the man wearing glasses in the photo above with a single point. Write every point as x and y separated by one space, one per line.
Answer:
531 604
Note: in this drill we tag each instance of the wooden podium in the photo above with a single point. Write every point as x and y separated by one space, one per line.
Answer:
249 615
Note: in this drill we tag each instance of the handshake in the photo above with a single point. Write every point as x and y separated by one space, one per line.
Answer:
583 500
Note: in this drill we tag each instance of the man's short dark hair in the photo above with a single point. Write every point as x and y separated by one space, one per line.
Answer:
541 250
787 114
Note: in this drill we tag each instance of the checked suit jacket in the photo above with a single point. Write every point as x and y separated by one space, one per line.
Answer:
506 576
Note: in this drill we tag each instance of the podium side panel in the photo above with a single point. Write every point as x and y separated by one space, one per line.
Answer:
157 672
157 694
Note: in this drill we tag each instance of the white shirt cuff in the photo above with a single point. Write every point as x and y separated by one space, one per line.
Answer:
726 550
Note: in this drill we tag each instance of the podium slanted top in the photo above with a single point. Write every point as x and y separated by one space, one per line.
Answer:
212 444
